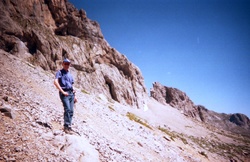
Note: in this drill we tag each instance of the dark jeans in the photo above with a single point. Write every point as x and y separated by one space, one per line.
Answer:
68 104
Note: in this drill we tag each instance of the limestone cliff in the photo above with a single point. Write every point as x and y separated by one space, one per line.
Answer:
46 31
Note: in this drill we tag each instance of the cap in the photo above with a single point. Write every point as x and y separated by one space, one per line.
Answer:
66 60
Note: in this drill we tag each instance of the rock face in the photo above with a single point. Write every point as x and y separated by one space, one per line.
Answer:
238 123
45 32
240 120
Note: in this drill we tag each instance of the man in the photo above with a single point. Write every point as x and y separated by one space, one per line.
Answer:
64 83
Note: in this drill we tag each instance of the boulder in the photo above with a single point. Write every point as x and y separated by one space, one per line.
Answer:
7 112
80 148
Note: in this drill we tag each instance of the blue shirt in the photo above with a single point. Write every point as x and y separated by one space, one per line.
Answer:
65 79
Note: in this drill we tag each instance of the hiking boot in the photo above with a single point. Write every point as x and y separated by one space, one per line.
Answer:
68 130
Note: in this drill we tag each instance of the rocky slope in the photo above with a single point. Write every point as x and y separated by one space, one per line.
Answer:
32 119
35 36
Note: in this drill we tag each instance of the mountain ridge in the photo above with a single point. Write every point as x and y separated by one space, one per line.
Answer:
178 99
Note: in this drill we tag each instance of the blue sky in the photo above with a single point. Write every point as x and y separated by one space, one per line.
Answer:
201 47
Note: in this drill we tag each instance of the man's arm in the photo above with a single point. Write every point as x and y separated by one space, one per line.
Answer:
56 83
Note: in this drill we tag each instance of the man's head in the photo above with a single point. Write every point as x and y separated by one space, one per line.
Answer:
66 63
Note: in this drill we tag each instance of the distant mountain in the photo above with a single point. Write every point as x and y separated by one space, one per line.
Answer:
238 123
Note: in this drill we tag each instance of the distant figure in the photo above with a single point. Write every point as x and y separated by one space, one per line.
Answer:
64 83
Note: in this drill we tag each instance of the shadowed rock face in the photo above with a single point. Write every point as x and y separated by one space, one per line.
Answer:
238 123
45 32
240 120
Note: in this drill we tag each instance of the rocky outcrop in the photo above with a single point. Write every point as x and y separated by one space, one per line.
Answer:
238 123
45 32
175 98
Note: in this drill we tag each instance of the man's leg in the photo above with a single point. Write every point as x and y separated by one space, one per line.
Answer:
67 110
71 112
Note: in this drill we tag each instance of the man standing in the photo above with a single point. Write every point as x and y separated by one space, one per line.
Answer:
64 83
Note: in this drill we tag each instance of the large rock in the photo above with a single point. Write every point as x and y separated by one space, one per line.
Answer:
77 147
45 32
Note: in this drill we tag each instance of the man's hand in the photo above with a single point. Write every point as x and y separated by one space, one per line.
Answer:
75 100
65 93
56 83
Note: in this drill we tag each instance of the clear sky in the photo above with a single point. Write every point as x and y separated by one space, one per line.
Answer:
201 47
